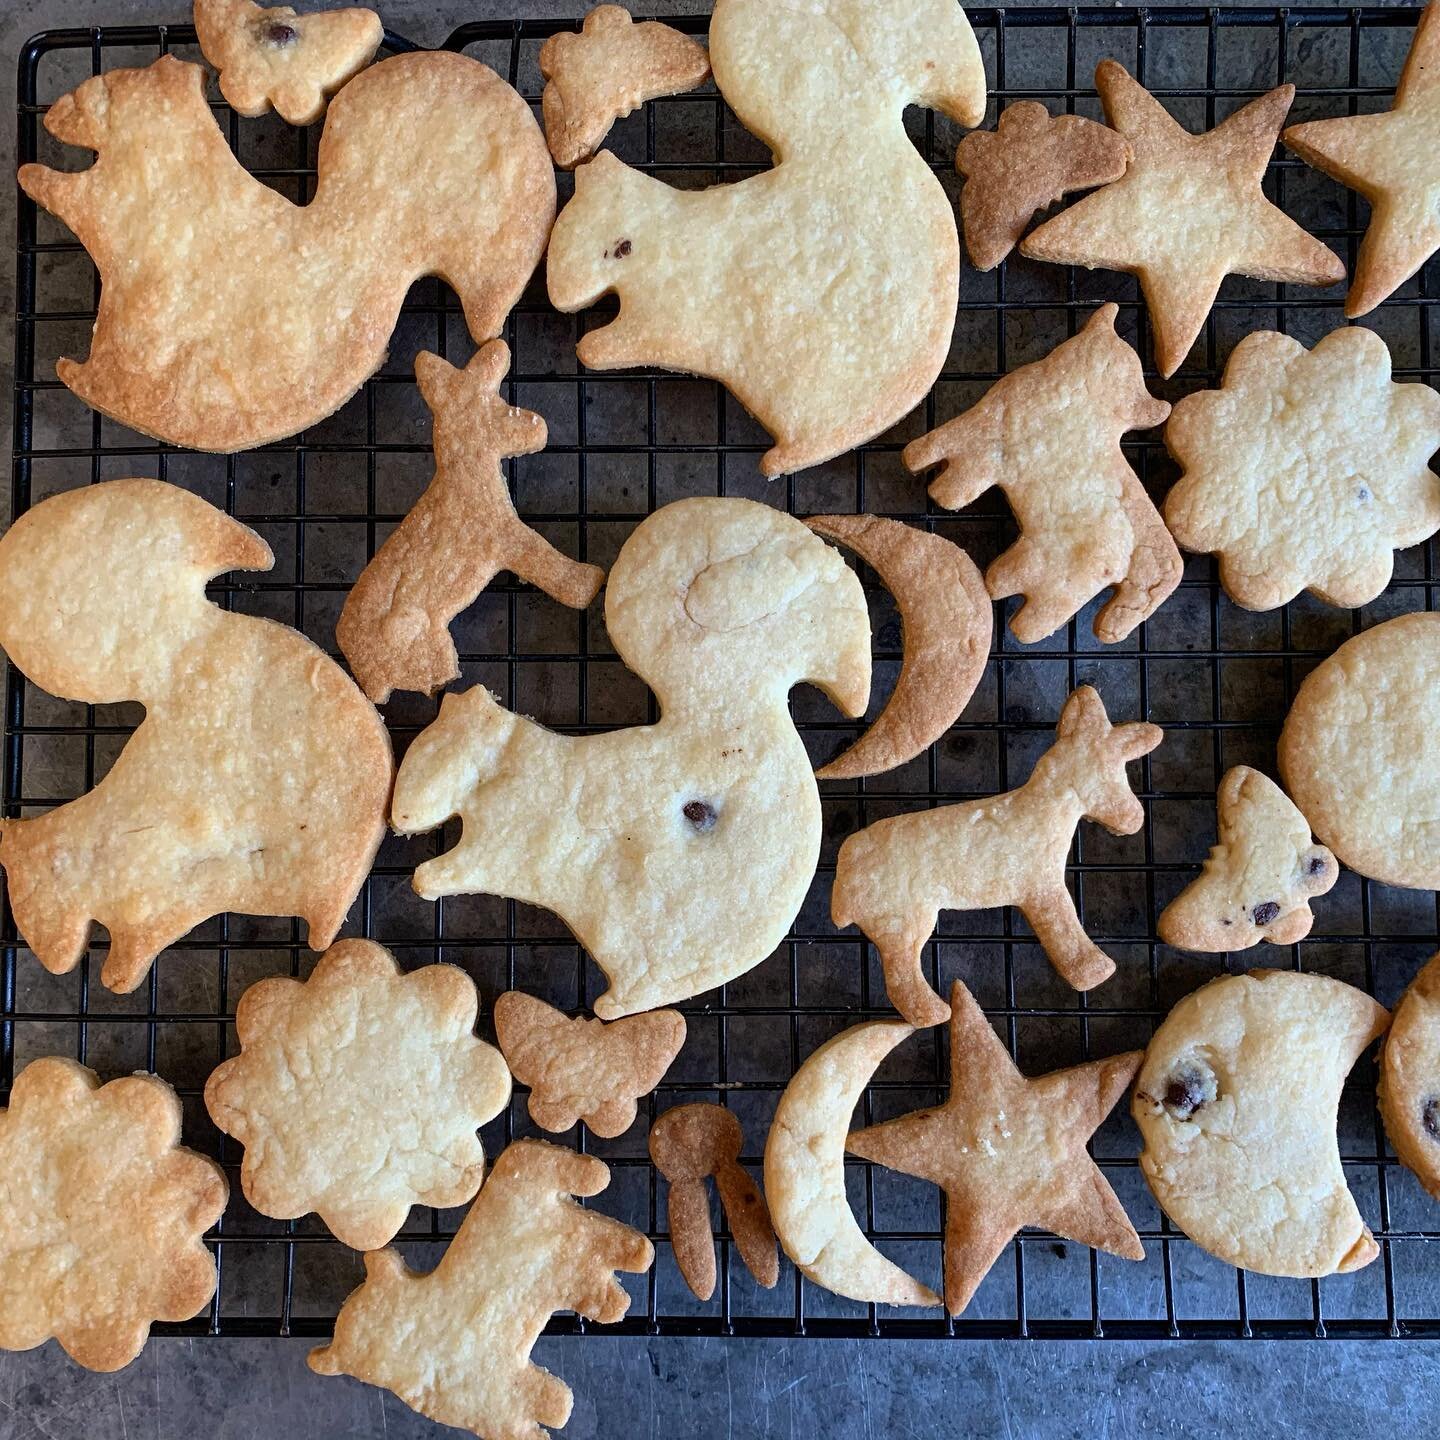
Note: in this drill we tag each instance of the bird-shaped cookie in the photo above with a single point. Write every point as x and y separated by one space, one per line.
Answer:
678 852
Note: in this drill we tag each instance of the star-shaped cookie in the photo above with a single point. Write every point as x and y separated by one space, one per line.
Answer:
1390 159
1187 212
1008 1151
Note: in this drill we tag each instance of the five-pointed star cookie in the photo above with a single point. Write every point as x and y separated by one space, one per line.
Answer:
1188 212
1008 1151
1391 160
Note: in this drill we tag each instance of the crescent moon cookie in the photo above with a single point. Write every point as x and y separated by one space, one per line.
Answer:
219 327
357 1093
1237 1101
946 626
612 67
1028 161
1358 752
101 1213
1389 159
257 781
677 852
1008 1152
1409 1088
455 1344
1049 435
1258 882
759 283
276 57
1306 469
1188 211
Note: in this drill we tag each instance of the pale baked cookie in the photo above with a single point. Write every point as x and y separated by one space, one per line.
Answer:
257 781
1306 469
1358 752
1028 161
357 1093
609 69
1237 1101
221 321
1049 435
1188 212
894 877
394 627
677 852
1390 159
455 1344
689 1143
1258 882
1008 1152
579 1069
276 57
945 633
101 1213
822 292
1409 1088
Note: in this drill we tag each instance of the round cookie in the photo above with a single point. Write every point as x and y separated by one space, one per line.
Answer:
1237 1101
1409 1089
1358 754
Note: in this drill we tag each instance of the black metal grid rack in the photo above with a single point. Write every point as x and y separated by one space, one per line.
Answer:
1219 680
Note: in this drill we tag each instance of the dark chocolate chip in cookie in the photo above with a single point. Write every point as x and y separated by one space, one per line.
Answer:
1265 912
1184 1093
280 35
700 814
1430 1117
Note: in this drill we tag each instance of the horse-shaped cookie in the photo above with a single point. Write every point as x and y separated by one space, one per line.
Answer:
822 292
893 878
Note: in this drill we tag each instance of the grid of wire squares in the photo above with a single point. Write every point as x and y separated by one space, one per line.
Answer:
1219 680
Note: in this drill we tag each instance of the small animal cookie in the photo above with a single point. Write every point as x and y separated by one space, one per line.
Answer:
579 1069
1409 1088
1188 211
677 852
455 1344
1358 752
357 1092
1387 157
257 781
894 877
276 57
1237 1102
1008 1152
394 626
687 1144
1049 435
1028 161
101 1213
1306 469
821 292
609 69
430 164
1258 882
945 633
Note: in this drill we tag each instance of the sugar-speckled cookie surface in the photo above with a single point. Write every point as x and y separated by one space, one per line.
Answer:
357 1093
1306 469
1409 1088
101 1213
1237 1103
1358 753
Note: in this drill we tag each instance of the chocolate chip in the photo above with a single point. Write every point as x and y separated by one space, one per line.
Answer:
700 814
1316 865
1184 1093
278 34
1430 1117
1265 912
1362 494
622 249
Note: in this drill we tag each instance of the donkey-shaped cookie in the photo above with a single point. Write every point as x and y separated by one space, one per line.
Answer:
894 877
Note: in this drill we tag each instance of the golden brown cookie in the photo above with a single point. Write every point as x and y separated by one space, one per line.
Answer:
1409 1087
1028 161
612 67
257 781
101 1213
394 627
1187 212
579 1069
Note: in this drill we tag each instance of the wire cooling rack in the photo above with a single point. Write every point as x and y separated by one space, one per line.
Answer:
1219 680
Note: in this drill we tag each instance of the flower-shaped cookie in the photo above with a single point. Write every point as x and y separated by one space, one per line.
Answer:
101 1213
357 1093
1305 469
